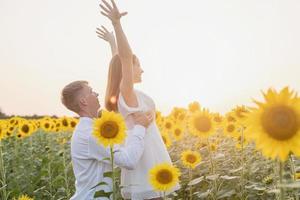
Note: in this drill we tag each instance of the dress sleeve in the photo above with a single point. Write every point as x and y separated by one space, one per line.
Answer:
124 109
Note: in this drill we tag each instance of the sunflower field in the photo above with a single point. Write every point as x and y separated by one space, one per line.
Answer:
247 153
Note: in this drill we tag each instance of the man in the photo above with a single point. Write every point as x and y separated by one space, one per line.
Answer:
88 156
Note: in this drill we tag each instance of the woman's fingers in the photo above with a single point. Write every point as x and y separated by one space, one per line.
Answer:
123 14
100 31
105 9
103 27
107 5
106 15
100 34
113 4
101 37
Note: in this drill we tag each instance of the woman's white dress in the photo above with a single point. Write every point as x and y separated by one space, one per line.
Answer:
136 181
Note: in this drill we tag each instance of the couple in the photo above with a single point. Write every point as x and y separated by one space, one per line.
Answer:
143 148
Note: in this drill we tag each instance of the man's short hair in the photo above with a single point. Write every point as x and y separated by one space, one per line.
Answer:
69 95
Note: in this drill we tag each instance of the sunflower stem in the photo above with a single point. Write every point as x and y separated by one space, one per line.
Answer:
49 171
210 157
16 154
191 187
281 180
242 161
112 171
165 198
2 172
65 172
212 169
293 169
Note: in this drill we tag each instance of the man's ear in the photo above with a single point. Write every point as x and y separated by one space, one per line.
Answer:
82 102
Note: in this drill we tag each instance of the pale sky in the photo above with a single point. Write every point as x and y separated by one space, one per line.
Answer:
221 53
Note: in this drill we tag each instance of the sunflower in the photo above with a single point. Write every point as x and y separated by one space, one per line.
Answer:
11 128
110 129
217 118
194 107
166 138
73 123
46 125
25 197
14 121
168 125
158 116
58 126
201 124
66 125
240 112
178 132
275 124
230 117
190 158
3 128
231 129
297 175
213 147
181 119
25 128
178 114
20 135
163 177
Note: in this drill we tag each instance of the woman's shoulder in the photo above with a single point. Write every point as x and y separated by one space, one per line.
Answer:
141 94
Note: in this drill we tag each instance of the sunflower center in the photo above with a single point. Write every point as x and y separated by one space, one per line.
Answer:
231 119
109 129
168 125
240 113
218 119
65 122
177 132
280 122
47 125
230 128
73 124
25 128
190 158
202 124
164 176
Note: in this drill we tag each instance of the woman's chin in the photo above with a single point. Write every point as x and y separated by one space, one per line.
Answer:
137 81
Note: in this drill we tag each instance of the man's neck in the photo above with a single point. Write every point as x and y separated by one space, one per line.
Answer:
86 114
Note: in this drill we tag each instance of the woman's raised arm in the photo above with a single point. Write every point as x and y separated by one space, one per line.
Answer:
126 86
109 37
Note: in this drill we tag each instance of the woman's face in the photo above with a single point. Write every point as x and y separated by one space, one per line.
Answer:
137 71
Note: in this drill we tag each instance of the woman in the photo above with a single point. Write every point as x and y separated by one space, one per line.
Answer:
124 72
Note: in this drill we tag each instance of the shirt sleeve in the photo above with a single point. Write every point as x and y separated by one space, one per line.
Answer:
124 156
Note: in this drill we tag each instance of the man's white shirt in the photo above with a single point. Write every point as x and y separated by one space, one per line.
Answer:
88 158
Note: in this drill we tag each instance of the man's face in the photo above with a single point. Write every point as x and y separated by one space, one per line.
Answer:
89 98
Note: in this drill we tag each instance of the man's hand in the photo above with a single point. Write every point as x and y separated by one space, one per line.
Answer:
141 118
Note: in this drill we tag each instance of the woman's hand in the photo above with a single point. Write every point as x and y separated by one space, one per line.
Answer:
104 34
111 11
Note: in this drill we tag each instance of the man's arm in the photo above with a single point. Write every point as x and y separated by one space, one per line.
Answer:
129 155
